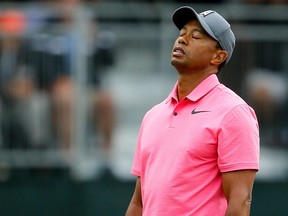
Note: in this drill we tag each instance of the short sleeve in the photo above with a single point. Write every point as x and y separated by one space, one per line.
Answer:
136 166
238 140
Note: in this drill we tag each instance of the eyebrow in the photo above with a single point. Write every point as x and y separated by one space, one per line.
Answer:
196 29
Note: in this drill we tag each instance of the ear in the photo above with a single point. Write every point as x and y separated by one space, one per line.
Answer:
219 57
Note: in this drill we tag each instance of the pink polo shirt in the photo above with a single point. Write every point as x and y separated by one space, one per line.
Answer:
183 147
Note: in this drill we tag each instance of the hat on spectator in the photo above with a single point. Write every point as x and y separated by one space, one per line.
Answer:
212 22
12 22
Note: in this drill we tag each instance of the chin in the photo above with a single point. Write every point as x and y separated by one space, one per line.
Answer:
175 62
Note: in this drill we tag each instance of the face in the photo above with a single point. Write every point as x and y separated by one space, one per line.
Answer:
194 48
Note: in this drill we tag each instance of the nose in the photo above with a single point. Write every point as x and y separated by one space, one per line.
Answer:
182 40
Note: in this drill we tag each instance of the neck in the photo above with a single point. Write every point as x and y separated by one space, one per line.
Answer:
188 82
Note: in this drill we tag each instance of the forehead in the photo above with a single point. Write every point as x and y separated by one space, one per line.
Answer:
194 24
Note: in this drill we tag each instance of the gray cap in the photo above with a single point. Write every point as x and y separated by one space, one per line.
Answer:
212 22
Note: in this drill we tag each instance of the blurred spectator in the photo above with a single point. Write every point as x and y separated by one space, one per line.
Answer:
267 92
22 106
55 52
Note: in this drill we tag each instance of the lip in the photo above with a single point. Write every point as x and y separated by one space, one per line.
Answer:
178 51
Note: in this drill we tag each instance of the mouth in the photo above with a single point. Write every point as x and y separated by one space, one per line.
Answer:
178 51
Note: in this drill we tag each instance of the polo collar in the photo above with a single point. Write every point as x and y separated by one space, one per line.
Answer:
202 89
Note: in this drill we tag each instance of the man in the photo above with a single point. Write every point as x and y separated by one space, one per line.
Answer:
198 150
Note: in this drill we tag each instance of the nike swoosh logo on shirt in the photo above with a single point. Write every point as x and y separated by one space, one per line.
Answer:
198 111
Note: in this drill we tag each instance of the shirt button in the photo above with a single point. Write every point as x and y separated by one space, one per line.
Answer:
175 113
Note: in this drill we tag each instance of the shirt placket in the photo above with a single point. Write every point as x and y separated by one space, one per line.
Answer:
176 113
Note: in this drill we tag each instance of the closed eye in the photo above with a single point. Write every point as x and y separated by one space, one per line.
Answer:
197 35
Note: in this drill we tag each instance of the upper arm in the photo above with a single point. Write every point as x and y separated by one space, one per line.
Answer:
237 187
137 193
135 206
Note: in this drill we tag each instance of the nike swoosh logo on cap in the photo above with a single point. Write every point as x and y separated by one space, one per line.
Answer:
198 111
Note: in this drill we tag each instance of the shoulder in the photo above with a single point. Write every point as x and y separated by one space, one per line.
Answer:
155 110
228 94
226 98
229 104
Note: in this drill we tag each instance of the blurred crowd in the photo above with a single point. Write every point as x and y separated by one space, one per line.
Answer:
40 82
